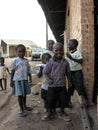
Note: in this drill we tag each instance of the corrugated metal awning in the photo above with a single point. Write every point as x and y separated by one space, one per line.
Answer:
55 14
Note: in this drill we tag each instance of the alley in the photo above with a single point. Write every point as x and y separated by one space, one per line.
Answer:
9 118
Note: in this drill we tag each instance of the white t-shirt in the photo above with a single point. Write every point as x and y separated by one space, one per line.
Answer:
75 65
21 67
49 52
45 84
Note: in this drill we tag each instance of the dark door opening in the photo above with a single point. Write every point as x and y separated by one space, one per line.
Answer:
96 51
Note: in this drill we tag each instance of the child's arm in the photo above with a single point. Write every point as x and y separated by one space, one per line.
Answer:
40 72
68 75
11 78
8 70
76 60
69 80
47 71
30 77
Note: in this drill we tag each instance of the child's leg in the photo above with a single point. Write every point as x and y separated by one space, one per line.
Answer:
70 93
1 84
20 101
50 98
5 83
24 101
63 101
24 104
44 97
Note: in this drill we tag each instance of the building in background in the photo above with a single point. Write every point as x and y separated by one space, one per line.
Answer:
8 47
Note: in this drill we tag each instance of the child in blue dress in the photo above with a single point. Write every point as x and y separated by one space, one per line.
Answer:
20 72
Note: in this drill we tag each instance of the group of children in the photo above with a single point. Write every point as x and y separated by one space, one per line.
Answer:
54 70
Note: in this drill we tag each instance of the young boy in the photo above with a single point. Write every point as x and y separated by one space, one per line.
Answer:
56 70
50 47
75 60
45 85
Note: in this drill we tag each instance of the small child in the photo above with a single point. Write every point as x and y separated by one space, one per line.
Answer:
3 73
20 72
56 70
75 60
45 85
49 50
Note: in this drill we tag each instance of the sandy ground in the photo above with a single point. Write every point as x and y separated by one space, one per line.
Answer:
10 120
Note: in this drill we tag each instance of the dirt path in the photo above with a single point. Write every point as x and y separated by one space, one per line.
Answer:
10 120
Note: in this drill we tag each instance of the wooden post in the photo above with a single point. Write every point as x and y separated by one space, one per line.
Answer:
97 104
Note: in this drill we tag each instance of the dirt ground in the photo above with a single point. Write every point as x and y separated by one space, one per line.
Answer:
10 120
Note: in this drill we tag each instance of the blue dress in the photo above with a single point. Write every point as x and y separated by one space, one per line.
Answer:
20 79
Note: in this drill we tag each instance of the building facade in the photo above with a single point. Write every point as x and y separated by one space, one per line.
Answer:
80 22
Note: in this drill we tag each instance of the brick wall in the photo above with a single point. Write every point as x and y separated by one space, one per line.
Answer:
87 29
82 28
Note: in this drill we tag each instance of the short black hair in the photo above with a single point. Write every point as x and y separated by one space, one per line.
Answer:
46 55
57 44
20 46
1 59
50 41
75 42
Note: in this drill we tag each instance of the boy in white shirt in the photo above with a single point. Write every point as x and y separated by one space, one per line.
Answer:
75 60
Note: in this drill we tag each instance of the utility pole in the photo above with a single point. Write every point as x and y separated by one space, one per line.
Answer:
46 33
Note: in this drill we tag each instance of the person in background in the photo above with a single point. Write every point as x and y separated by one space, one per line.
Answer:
20 78
56 70
3 74
75 60
50 44
50 47
45 85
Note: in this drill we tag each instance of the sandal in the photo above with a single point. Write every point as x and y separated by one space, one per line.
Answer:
22 114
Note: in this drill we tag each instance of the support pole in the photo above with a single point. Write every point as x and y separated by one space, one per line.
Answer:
97 104
46 33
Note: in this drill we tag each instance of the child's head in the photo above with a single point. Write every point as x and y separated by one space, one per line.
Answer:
21 50
58 50
1 60
45 58
72 44
50 44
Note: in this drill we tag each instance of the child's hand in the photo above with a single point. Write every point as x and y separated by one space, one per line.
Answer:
40 72
30 79
41 68
12 84
50 81
68 55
